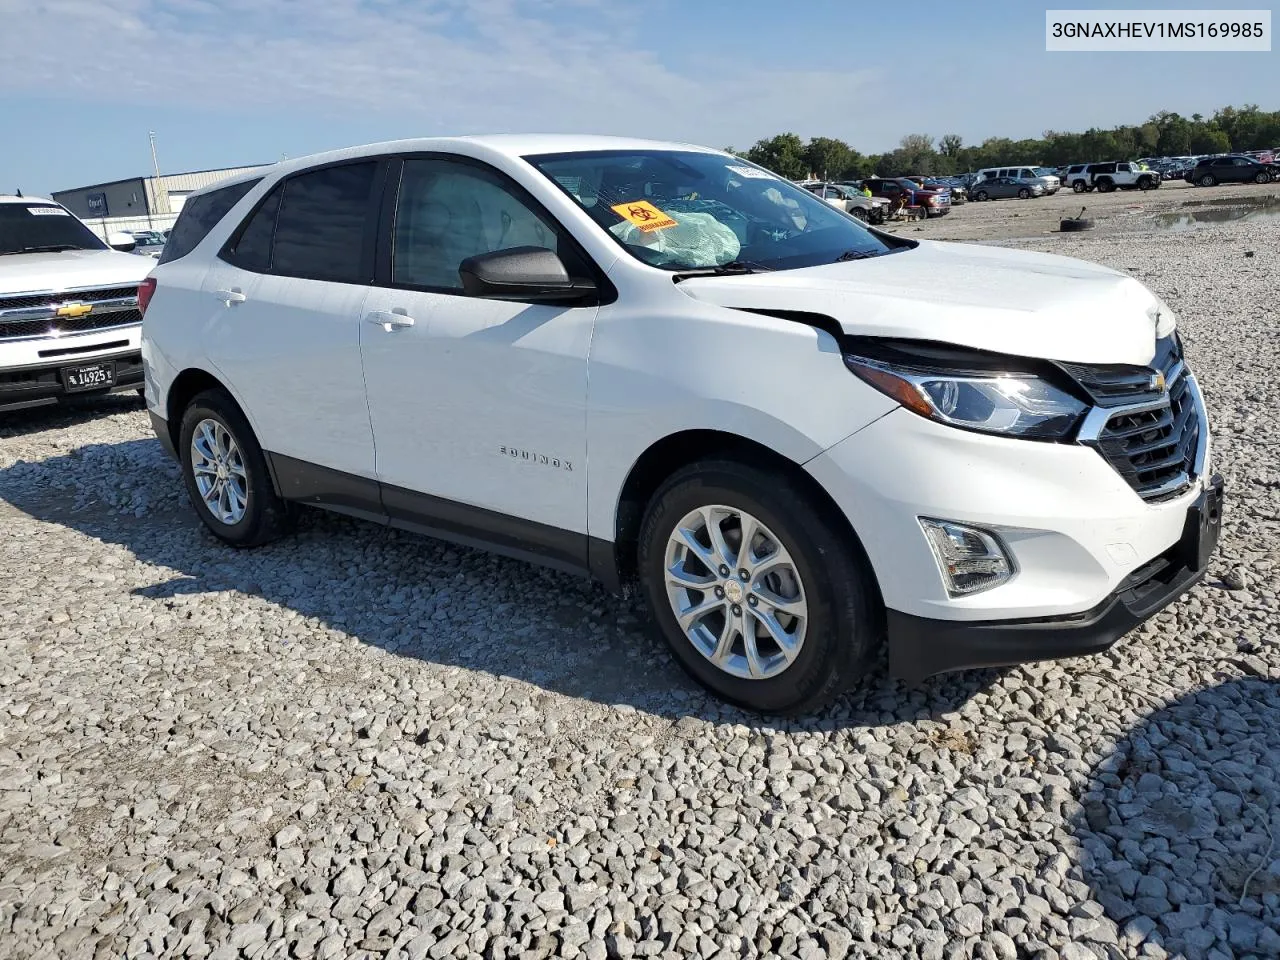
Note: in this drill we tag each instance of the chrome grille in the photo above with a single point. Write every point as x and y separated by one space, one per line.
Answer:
1150 434
35 315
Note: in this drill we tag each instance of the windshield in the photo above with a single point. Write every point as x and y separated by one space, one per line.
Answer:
41 227
687 210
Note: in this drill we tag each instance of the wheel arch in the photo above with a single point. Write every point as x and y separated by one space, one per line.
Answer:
184 388
615 563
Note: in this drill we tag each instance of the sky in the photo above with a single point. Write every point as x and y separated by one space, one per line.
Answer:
232 82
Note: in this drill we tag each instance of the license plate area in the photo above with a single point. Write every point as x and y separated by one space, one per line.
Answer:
1203 526
91 376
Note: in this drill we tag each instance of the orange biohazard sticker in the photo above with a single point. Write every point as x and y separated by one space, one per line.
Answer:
643 215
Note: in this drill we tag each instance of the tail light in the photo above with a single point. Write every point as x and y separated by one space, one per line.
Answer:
146 289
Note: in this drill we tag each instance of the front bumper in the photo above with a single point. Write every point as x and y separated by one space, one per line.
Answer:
920 647
37 385
1079 536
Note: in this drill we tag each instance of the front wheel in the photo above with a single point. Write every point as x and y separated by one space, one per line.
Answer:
1145 183
1262 177
859 213
756 591
225 473
981 195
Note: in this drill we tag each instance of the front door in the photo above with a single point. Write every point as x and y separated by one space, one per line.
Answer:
478 405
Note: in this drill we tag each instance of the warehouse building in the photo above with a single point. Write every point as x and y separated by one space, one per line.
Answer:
155 199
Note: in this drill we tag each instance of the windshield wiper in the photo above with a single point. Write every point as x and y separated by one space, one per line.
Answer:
47 248
732 268
855 255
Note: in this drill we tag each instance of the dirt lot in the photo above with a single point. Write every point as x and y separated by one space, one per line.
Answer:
1172 208
356 743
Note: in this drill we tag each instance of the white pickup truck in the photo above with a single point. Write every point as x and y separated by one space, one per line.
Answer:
69 320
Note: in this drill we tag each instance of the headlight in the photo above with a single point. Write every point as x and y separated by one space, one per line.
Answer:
1009 403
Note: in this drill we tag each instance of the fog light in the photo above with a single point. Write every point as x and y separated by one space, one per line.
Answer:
970 559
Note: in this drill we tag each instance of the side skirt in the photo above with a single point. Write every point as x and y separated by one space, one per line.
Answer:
408 510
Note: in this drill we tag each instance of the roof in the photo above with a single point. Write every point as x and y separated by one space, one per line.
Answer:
6 198
508 144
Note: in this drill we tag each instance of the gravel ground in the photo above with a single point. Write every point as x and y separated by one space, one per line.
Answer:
355 743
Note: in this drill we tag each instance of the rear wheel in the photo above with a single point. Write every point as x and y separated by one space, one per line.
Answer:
1079 186
767 607
1024 194
225 473
1105 186
1207 180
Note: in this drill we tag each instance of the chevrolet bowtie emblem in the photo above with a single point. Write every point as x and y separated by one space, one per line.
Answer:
74 309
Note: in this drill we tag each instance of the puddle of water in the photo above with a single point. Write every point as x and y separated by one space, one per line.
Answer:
1252 210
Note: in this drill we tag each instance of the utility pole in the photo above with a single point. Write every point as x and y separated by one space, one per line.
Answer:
161 195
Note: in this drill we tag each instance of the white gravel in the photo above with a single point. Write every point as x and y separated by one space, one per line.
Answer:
360 744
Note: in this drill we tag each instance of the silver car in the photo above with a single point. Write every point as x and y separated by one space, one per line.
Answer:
1004 188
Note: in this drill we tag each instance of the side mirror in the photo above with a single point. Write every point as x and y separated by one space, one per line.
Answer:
532 274
123 242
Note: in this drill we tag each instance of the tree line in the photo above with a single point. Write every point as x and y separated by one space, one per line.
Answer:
1165 134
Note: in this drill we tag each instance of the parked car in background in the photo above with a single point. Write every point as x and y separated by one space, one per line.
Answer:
1076 177
1120 175
1049 182
904 192
1231 169
69 320
1005 188
850 200
148 242
946 479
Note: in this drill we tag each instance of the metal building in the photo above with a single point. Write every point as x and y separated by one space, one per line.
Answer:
141 198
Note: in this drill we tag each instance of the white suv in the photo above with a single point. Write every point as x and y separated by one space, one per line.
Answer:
69 320
803 437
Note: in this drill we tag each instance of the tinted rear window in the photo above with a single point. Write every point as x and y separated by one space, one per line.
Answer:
200 215
320 230
250 249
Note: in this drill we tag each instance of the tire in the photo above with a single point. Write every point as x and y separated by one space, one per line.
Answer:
1207 180
840 626
981 195
1024 194
1105 186
264 516
1262 177
1144 183
1078 186
859 213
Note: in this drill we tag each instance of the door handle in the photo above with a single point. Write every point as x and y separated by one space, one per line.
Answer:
389 320
234 295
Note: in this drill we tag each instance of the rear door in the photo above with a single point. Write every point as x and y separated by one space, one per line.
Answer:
287 292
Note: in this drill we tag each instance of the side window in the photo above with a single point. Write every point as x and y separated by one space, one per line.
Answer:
322 223
1242 162
447 211
200 215
1222 162
250 247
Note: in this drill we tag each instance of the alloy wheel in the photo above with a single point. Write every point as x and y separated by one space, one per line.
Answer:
218 467
736 592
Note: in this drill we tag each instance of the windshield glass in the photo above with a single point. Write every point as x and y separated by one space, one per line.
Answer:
687 210
39 227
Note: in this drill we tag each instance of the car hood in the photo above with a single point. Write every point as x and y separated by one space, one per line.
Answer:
70 269
987 298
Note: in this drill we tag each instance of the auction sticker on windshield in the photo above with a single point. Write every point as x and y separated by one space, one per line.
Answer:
751 173
47 212
643 215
